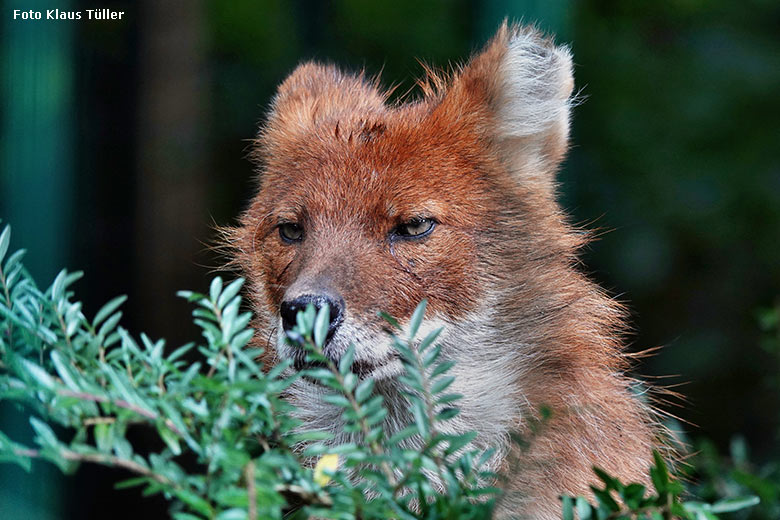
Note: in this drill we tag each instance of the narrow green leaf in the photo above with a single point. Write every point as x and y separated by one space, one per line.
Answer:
447 413
321 326
319 374
47 335
108 309
485 457
104 436
38 373
448 398
442 368
568 508
350 382
58 286
234 513
364 390
132 482
605 499
12 262
122 386
229 292
7 454
430 356
71 278
441 384
377 416
345 364
727 505
110 324
5 239
343 449
659 474
428 340
191 296
179 352
170 439
420 418
390 320
309 436
12 273
215 289
402 435
456 442
609 481
584 509
46 436
633 494
122 448
26 320
336 399
65 371
184 516
416 320
199 408
196 502
305 319
315 450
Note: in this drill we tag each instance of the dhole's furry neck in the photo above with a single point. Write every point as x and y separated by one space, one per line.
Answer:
476 156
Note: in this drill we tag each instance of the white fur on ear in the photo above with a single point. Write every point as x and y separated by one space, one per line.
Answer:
533 97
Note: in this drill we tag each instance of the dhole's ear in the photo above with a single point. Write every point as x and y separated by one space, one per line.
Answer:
314 93
521 86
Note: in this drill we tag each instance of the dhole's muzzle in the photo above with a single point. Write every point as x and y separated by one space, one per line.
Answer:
291 307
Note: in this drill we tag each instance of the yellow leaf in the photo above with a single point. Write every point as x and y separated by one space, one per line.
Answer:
327 462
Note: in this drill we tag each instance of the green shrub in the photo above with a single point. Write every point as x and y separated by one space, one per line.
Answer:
92 380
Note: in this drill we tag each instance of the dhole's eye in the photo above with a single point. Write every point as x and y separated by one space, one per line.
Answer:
415 228
291 232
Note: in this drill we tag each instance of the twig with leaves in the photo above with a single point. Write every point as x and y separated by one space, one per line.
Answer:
92 381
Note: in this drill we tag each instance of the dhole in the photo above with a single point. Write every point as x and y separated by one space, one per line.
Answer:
367 206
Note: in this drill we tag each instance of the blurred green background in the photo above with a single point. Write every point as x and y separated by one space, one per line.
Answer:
123 142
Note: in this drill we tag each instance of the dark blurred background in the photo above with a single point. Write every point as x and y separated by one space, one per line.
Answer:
124 142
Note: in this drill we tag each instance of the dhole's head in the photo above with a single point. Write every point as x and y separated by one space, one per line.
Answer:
368 206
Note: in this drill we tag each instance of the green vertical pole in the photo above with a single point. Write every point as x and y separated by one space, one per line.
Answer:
553 16
36 197
37 144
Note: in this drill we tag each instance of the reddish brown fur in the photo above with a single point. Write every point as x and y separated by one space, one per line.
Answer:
349 166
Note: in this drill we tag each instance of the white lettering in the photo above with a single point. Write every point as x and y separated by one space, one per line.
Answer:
27 15
57 14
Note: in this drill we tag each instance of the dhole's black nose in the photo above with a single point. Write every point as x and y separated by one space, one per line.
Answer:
290 308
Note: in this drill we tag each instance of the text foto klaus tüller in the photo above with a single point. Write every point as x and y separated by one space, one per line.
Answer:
59 14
